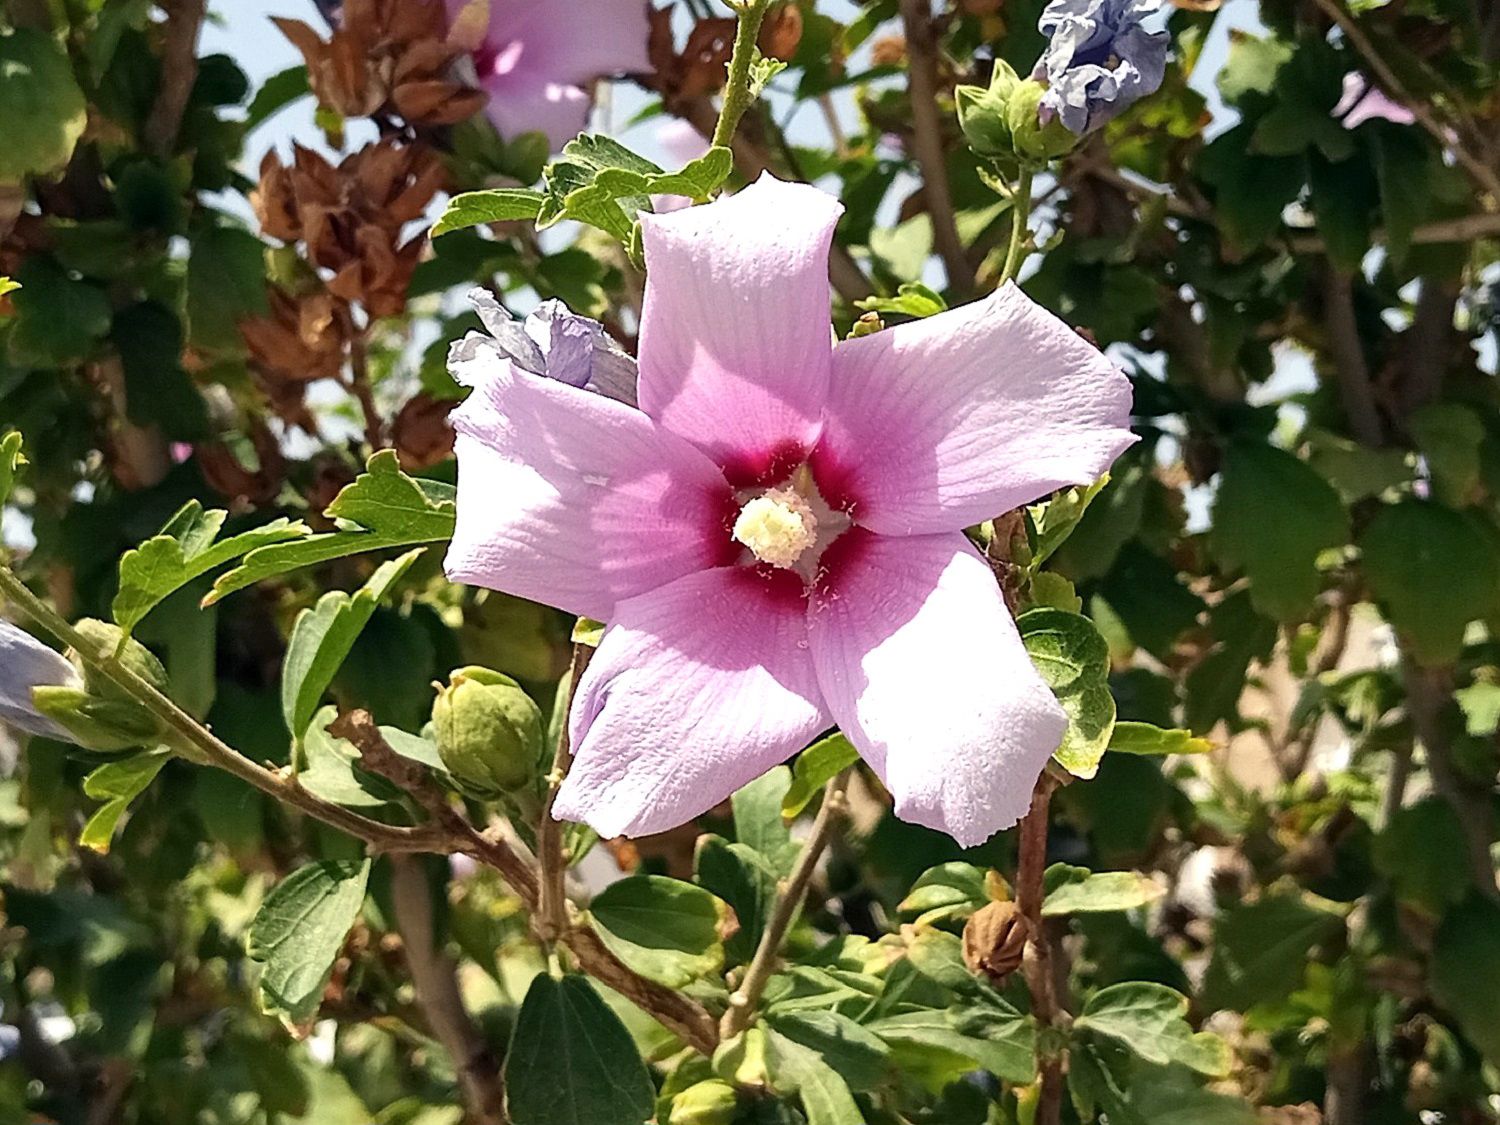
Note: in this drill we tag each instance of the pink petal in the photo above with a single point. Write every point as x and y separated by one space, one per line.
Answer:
697 689
945 422
735 342
570 498
518 104
924 670
574 41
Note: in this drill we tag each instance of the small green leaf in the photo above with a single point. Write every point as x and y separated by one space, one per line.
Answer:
814 768
1074 661
298 933
323 637
330 769
41 104
7 285
59 319
912 299
950 890
1076 890
744 879
11 462
1449 436
572 1062
795 1069
1156 742
1415 852
1480 701
664 929
226 281
1149 1019
382 509
276 93
1057 518
859 1056
118 783
758 822
497 205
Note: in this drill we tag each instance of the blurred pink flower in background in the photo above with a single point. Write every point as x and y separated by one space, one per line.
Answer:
776 535
1363 101
538 59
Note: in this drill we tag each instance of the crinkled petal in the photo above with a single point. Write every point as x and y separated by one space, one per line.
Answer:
26 663
735 342
568 498
922 667
697 689
553 341
945 422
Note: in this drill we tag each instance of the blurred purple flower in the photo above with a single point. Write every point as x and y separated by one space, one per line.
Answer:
538 60
776 535
1099 60
1363 101
26 663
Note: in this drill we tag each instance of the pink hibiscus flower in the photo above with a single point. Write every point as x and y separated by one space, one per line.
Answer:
538 60
775 535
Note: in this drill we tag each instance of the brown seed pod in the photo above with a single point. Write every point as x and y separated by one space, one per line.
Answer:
995 940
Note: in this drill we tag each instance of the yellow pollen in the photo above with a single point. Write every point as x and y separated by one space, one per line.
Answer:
777 527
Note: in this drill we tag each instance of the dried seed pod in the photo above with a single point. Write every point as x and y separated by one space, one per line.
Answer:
995 940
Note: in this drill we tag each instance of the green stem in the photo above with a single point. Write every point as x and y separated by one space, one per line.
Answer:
1020 227
737 96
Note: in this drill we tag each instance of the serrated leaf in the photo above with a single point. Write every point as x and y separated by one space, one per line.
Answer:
1265 487
497 205
186 550
664 929
323 637
1077 890
1156 742
298 933
1074 661
41 104
814 768
572 1062
600 182
1059 517
1149 1019
384 508
330 768
912 299
117 784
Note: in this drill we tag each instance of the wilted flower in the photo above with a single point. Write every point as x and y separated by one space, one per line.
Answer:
27 664
1100 59
538 61
1363 101
776 535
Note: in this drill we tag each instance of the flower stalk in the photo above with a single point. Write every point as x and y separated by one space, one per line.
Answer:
552 914
737 93
1020 227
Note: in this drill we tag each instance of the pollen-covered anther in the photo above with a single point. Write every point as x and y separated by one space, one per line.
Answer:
778 527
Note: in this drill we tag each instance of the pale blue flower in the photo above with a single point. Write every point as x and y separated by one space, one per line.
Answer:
26 663
1100 59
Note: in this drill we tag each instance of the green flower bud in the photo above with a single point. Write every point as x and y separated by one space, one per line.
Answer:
708 1103
1035 143
981 116
489 732
132 656
106 726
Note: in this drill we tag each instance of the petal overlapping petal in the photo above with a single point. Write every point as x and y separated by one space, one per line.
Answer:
923 668
572 499
697 689
942 423
735 347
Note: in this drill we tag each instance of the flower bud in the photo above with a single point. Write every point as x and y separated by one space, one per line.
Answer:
489 732
995 940
106 726
1036 140
712 1102
982 114
131 655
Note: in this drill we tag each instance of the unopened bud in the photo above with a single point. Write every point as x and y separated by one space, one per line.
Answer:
129 653
707 1103
106 726
489 732
1036 140
995 940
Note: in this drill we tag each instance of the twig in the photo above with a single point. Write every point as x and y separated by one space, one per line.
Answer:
1484 175
789 898
1348 354
927 144
179 70
737 93
359 377
1041 980
1020 229
552 916
435 980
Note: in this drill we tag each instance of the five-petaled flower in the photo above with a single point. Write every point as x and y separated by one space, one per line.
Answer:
776 535
1099 60
27 664
538 60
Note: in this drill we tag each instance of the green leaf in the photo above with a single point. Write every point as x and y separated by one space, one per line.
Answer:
744 879
330 768
912 299
1074 660
1433 571
382 509
1252 66
497 205
41 104
949 890
1465 971
276 93
1156 742
118 783
664 929
1149 1020
814 768
7 285
758 822
298 933
59 320
1011 1057
1480 701
226 281
1059 517
323 637
11 462
1449 436
1265 487
825 1095
1076 890
184 551
158 391
572 1062
859 1056
1260 950
1415 852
